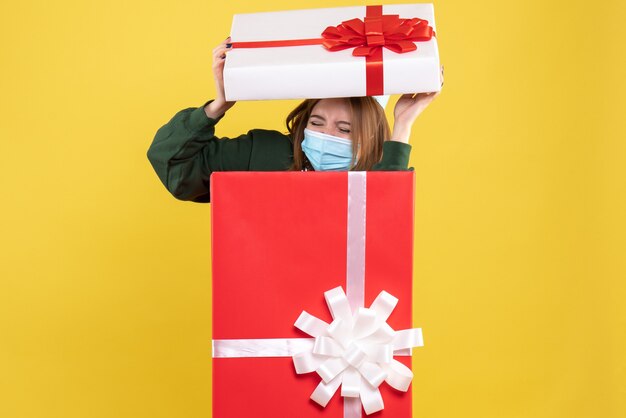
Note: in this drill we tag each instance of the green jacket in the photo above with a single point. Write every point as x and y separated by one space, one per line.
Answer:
185 151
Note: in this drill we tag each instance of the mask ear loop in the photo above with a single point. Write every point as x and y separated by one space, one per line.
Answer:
307 165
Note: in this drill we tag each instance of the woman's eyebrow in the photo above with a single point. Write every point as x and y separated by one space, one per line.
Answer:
338 122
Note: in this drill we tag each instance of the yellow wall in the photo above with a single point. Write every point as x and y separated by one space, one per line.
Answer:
520 230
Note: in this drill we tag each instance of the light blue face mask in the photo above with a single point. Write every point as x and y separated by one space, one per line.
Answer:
327 152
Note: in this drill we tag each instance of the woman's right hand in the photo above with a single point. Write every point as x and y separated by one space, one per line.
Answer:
219 106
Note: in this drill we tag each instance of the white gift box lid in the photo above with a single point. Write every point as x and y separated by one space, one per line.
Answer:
311 71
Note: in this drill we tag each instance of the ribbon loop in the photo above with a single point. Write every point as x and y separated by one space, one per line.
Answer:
338 304
408 338
384 334
374 31
331 368
365 323
306 362
340 331
310 324
398 375
384 304
379 353
355 356
327 346
373 373
351 384
325 391
371 399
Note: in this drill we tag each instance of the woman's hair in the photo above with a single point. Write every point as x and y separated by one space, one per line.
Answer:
369 129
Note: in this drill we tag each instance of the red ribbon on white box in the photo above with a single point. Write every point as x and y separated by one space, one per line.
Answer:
356 350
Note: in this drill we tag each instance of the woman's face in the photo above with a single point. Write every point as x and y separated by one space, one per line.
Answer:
331 117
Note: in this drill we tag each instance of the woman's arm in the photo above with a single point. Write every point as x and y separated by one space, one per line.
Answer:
185 151
219 106
395 157
407 109
397 150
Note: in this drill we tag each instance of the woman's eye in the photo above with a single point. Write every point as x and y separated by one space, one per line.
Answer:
344 131
315 123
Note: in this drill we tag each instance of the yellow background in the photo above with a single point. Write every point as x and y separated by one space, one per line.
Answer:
105 302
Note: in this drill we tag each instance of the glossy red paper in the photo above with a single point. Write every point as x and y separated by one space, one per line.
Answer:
278 243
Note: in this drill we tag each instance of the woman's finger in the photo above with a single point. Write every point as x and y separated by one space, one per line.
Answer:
220 53
220 46
223 44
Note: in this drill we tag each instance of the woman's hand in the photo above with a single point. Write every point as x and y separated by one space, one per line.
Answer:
408 108
219 106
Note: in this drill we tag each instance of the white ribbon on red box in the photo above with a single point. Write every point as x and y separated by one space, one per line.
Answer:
355 351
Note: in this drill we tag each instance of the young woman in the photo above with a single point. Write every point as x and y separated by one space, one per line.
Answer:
324 134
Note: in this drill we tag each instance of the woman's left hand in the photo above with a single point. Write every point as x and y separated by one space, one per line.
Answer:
408 108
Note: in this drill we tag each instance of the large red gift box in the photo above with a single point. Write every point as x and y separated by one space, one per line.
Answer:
279 241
